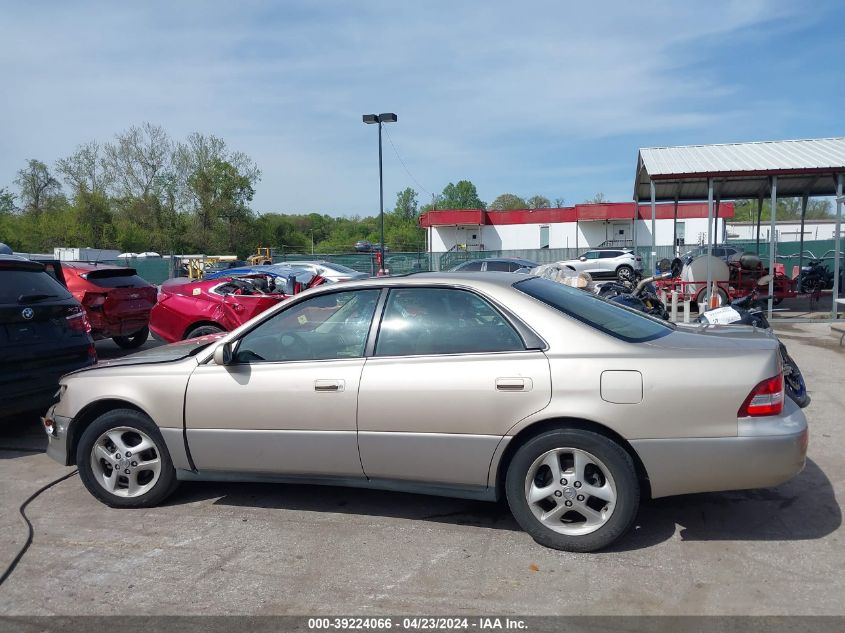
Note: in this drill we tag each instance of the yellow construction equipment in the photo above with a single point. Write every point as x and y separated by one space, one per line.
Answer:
262 256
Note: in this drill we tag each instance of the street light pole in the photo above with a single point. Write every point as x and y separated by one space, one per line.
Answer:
385 117
380 201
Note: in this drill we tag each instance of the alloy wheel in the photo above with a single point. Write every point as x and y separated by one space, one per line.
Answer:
125 462
570 491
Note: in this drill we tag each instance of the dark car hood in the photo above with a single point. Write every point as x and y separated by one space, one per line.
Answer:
161 354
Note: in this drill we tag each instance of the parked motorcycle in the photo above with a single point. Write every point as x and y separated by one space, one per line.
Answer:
814 277
750 310
642 297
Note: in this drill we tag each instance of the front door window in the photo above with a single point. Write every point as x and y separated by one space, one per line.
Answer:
328 326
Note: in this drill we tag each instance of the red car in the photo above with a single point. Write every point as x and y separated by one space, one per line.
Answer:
187 310
116 300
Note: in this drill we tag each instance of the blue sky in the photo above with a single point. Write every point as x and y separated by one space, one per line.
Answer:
536 97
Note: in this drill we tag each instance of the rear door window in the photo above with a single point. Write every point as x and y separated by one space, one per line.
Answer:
427 321
610 318
28 286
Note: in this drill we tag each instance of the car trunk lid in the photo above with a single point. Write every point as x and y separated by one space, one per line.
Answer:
717 338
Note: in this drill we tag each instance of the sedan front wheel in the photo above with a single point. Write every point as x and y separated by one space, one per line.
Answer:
124 462
573 490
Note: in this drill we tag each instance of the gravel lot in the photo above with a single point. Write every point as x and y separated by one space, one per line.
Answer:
281 549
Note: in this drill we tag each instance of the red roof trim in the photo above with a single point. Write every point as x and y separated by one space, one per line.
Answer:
580 212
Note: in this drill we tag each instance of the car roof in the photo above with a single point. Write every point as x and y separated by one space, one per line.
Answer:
476 279
16 262
502 259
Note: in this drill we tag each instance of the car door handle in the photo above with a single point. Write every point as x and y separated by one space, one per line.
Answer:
329 385
514 384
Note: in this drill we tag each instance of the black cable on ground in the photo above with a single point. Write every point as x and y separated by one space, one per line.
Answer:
31 532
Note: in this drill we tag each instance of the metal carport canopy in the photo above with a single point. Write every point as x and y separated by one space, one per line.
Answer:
809 167
740 170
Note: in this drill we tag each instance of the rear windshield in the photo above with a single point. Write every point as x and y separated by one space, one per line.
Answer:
115 278
29 286
610 318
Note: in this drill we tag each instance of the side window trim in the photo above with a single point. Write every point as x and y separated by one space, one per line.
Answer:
375 324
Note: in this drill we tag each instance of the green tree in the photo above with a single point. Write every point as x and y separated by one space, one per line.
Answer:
38 188
85 169
223 195
539 202
7 201
406 204
508 201
787 209
462 195
136 160
91 211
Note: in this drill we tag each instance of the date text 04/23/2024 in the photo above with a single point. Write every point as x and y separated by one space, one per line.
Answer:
417 623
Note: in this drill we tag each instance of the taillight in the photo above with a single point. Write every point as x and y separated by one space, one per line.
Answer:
94 300
76 320
765 399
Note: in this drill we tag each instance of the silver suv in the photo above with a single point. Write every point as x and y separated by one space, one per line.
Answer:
608 263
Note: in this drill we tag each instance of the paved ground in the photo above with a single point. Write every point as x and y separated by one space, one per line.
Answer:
273 549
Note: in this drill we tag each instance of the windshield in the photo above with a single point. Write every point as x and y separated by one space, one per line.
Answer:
610 318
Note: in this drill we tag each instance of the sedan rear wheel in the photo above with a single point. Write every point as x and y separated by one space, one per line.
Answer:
124 462
573 490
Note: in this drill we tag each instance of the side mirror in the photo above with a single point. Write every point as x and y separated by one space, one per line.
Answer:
764 280
583 258
223 354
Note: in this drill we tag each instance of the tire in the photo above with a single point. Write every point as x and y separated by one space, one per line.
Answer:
700 298
625 273
97 453
608 466
204 330
133 341
793 380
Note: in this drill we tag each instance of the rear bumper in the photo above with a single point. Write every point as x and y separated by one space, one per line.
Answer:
108 326
766 452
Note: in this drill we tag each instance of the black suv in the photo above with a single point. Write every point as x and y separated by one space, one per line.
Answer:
44 334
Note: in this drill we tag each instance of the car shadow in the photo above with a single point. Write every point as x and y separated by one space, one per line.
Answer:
804 508
345 500
22 435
